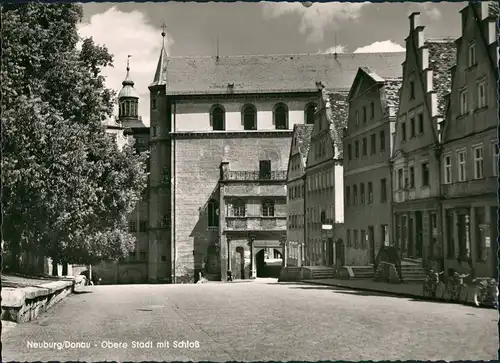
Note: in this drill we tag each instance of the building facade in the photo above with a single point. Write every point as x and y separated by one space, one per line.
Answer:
367 153
295 185
324 181
469 160
220 136
416 157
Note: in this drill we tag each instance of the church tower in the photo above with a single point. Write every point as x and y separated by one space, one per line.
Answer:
161 248
128 102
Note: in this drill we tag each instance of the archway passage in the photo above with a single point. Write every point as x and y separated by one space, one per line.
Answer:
268 268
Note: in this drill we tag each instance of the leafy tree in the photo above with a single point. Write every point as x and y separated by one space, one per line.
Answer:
67 188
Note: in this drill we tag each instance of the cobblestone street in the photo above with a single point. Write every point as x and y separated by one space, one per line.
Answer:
245 321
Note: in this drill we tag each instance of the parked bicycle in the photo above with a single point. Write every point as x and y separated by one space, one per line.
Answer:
486 292
455 286
431 284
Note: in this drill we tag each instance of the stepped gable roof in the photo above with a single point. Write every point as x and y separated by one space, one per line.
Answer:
303 136
271 73
442 56
337 110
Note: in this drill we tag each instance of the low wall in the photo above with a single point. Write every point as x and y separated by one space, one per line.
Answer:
121 273
21 305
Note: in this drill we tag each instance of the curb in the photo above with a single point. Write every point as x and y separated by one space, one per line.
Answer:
404 294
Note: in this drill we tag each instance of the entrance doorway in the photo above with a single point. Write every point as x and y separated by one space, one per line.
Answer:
371 243
419 234
339 245
268 269
331 254
239 264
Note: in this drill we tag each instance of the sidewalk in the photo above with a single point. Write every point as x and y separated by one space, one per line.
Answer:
406 290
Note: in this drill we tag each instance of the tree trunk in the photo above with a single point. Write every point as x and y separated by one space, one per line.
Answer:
64 268
54 268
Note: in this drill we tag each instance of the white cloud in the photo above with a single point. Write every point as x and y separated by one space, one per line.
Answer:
431 11
314 19
334 49
123 34
385 46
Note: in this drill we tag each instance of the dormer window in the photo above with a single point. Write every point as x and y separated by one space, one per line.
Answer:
153 103
472 54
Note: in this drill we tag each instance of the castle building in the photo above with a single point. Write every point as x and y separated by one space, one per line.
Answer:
416 157
367 152
469 158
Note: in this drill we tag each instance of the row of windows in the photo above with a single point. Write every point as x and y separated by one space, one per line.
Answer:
128 108
416 125
249 116
295 162
132 226
365 196
319 215
408 181
132 256
294 250
464 97
295 221
461 160
359 239
364 146
320 181
364 114
238 208
295 192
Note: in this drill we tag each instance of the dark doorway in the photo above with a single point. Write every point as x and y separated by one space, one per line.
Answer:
371 243
411 238
331 254
212 264
239 264
340 252
419 234
260 263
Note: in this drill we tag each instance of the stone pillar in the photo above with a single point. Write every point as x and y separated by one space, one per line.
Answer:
285 253
455 234
472 236
467 235
414 236
444 233
254 265
229 255
223 257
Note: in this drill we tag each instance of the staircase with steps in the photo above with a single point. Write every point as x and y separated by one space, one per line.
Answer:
357 272
290 273
318 272
412 272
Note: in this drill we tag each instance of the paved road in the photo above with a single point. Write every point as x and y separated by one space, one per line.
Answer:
247 321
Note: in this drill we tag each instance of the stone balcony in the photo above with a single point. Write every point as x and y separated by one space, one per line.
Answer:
277 175
256 223
470 188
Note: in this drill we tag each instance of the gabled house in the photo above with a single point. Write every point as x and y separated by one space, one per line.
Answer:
301 139
469 160
416 171
324 181
367 148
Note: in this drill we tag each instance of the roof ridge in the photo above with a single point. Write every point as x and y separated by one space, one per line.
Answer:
281 55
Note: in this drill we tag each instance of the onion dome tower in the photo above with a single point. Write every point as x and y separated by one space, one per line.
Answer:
128 101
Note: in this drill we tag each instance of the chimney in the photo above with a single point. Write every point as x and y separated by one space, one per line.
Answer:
414 20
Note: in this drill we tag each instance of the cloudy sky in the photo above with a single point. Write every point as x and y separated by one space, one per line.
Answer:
251 28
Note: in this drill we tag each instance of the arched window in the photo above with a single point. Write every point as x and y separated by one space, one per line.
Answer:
213 213
249 117
310 111
218 115
268 208
281 117
127 108
239 208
